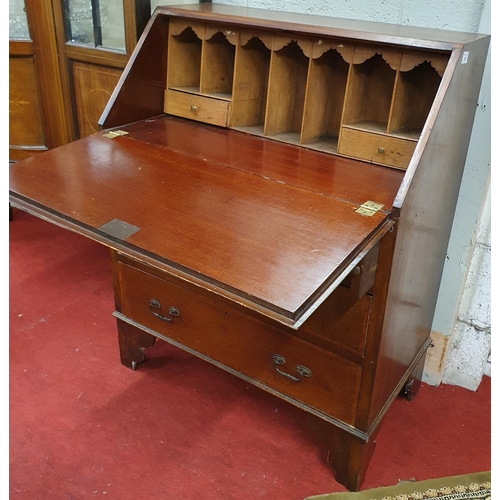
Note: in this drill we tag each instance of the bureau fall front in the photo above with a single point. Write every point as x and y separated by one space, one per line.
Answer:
277 191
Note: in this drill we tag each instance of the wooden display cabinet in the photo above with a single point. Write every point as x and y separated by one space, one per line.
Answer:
277 191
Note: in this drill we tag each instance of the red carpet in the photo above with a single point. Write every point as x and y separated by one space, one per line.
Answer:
83 426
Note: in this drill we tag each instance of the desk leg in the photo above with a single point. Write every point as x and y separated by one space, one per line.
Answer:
132 342
349 456
412 385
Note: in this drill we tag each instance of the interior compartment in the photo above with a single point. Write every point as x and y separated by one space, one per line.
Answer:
217 66
184 61
369 95
250 85
415 93
324 101
286 95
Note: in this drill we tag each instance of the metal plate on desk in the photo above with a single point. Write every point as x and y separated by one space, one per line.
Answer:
119 229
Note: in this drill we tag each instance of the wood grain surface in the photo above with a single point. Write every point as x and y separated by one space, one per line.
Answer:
271 238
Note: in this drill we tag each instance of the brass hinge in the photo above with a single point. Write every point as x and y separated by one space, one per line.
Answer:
369 208
114 133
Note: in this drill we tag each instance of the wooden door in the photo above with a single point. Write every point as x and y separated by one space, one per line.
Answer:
65 58
37 116
95 40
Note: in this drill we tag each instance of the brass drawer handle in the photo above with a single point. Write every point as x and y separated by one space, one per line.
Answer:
302 370
172 311
380 150
193 108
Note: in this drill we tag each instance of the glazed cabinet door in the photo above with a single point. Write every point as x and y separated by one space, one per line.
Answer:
37 118
95 39
65 59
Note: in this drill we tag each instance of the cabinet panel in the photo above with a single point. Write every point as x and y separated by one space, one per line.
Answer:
25 118
93 87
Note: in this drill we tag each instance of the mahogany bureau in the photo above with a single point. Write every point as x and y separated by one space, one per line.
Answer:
277 191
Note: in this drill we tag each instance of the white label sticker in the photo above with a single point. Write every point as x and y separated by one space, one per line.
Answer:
465 56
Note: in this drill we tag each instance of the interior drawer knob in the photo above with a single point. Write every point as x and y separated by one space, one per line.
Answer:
155 307
302 371
193 107
380 150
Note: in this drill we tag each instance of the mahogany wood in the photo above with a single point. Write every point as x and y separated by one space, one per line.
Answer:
139 93
333 176
425 218
264 257
132 342
242 343
349 456
309 234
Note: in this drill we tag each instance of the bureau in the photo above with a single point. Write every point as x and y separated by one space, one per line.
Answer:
277 191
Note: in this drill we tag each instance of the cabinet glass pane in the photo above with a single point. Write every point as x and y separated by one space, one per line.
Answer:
98 23
18 25
113 25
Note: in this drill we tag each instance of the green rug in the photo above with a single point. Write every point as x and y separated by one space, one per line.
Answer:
467 487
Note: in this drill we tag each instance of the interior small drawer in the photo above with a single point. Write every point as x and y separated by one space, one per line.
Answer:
197 107
376 148
270 357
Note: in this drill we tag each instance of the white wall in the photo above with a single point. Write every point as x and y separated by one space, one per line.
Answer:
470 342
470 339
461 327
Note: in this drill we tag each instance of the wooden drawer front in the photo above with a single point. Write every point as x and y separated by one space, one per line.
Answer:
197 107
243 343
376 148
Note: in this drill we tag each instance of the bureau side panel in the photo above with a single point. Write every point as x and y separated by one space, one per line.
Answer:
139 92
427 206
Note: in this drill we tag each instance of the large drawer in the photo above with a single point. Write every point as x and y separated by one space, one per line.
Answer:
197 107
251 347
376 148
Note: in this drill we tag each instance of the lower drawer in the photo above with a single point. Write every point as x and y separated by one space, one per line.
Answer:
265 354
376 148
197 107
